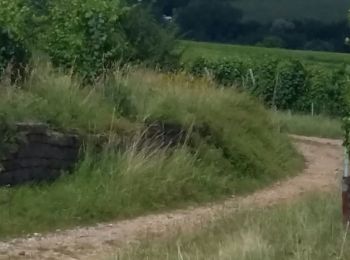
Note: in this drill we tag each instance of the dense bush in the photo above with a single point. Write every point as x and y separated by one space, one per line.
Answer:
149 42
85 35
229 72
290 85
13 55
272 42
328 91
283 84
91 36
265 80
199 66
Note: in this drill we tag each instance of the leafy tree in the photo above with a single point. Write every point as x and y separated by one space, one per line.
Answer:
318 45
88 35
209 20
13 55
168 7
282 26
149 42
14 50
75 33
85 35
165 7
272 42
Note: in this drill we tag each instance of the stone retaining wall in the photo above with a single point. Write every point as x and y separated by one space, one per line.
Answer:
40 154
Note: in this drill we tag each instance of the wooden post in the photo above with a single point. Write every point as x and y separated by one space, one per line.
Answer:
346 189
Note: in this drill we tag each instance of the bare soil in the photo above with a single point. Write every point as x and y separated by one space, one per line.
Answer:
322 173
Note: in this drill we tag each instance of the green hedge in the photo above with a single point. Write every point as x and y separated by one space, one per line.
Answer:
284 84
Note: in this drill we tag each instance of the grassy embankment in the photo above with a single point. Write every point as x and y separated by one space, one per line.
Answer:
238 150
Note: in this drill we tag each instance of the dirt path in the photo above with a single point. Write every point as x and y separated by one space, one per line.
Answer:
324 163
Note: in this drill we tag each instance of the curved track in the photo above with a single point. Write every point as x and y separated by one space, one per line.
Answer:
323 164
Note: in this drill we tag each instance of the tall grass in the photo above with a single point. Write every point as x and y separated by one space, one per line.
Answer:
308 229
238 129
307 125
237 151
112 184
57 99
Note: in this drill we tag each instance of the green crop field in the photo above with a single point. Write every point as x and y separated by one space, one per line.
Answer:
194 50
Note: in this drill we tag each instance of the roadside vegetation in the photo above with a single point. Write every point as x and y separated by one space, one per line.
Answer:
110 69
307 125
307 229
231 147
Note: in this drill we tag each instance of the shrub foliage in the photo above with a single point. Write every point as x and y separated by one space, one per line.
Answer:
283 84
13 54
87 36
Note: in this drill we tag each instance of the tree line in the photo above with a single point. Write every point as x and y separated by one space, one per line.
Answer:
90 36
222 21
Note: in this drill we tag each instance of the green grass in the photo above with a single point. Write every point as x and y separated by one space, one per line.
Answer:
238 149
194 50
111 185
58 100
308 229
307 125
